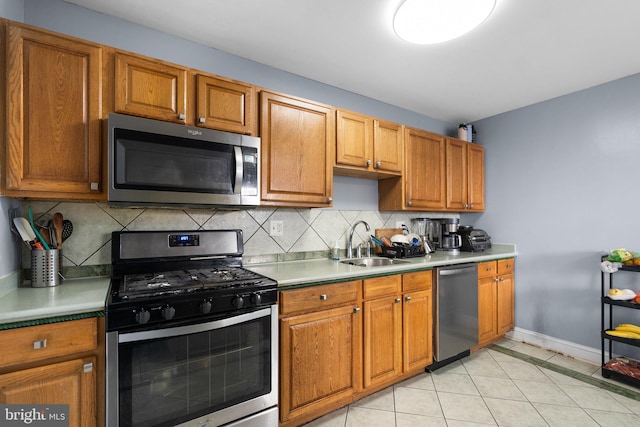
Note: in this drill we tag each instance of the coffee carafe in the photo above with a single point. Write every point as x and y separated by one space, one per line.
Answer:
450 240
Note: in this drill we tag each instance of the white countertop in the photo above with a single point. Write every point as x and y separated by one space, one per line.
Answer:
291 273
72 296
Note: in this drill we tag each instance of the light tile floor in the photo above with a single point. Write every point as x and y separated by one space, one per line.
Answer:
507 384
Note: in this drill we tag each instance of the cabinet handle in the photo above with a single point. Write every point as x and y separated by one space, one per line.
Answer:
323 297
94 186
181 116
378 164
398 300
40 344
87 367
369 162
202 120
408 298
356 310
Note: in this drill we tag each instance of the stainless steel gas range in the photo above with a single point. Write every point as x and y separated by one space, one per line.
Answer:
192 336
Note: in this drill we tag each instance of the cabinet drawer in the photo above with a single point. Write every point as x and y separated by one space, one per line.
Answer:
418 281
505 266
318 297
382 286
42 342
487 269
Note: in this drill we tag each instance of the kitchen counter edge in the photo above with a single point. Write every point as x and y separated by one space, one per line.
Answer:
292 274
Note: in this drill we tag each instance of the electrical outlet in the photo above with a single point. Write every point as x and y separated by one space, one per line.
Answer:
276 228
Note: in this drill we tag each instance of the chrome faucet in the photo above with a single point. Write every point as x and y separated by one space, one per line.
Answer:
350 241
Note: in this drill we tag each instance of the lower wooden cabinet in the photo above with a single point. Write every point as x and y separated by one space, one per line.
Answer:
495 299
342 341
58 363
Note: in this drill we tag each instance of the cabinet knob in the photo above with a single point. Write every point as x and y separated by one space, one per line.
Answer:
87 367
369 162
465 206
471 206
409 203
407 298
94 186
40 344
378 164
398 300
502 279
182 116
202 120
356 309
323 297
329 199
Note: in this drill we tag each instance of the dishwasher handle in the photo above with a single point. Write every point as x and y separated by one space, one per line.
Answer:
452 271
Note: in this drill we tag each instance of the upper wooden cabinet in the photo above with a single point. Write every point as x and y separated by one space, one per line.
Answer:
366 146
53 141
298 139
226 104
160 90
465 176
150 88
423 182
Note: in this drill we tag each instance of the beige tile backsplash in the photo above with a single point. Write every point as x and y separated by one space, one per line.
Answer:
306 231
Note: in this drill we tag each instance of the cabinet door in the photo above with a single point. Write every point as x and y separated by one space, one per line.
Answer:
53 145
319 354
298 139
487 315
457 180
388 146
425 170
226 105
505 311
417 330
70 383
382 340
354 140
475 174
150 88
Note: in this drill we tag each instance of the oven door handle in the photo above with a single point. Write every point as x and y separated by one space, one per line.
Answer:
237 185
191 329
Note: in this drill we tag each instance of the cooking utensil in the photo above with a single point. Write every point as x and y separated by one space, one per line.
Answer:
37 233
386 241
377 241
26 232
46 235
58 220
67 229
52 234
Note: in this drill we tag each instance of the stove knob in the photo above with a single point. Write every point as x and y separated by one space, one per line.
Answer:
168 312
143 316
256 298
205 306
238 302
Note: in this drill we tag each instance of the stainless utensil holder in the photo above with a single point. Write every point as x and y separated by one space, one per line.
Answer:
46 268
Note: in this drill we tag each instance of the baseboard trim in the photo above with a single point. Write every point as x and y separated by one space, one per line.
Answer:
567 348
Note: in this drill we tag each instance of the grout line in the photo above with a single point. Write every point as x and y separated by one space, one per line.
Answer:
569 372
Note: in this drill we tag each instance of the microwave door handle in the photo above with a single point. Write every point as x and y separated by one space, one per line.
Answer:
237 187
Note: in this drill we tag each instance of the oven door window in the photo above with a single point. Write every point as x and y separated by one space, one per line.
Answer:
171 380
155 162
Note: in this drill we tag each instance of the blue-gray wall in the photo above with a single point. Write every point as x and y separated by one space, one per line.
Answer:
562 183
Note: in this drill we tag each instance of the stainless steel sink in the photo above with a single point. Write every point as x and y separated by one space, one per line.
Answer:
373 262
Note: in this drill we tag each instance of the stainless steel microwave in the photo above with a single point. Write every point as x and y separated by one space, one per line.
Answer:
154 163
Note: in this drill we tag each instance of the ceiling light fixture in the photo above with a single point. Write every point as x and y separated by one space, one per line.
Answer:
436 21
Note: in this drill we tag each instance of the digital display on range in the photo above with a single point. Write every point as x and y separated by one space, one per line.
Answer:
183 240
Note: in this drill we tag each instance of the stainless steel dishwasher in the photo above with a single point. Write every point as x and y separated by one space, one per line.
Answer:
455 313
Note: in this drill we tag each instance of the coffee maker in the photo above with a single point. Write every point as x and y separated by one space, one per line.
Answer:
450 239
